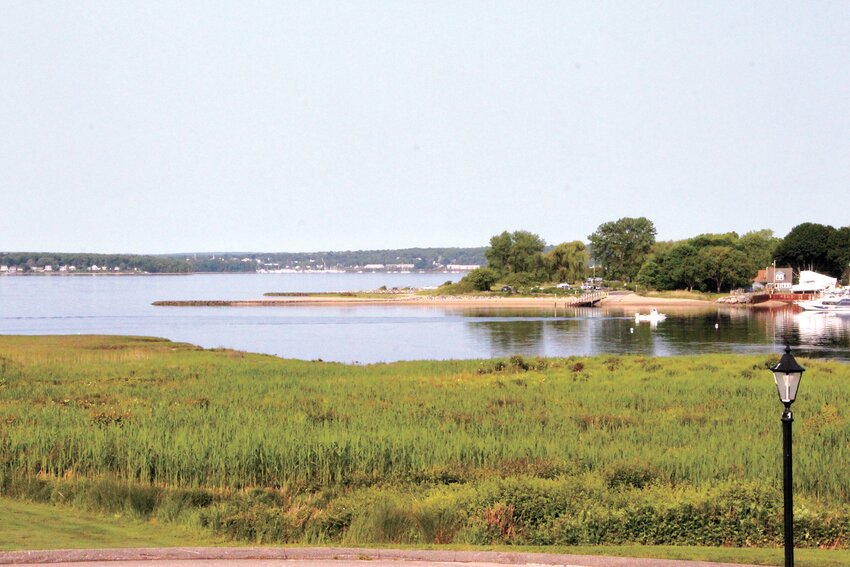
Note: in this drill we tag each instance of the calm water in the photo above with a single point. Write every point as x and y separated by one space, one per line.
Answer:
122 305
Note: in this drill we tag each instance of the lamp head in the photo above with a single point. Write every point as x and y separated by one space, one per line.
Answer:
787 373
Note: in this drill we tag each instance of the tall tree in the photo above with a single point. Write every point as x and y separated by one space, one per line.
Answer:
807 247
499 253
683 266
622 246
515 252
567 261
839 252
526 252
723 266
759 246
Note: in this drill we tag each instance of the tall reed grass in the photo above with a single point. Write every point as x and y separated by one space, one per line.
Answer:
149 412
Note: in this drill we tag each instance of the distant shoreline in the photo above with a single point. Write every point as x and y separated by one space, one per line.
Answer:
86 273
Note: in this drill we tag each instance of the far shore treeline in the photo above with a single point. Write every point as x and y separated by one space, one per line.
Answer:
239 262
623 251
626 252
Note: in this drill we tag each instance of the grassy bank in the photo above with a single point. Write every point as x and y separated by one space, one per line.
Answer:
684 294
606 450
69 528
29 525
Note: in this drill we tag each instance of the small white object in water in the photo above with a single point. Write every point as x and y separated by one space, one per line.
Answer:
653 317
631 329
717 325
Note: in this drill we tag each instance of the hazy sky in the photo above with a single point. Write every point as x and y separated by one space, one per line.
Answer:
198 126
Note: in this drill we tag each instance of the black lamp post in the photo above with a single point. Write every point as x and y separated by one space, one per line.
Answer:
788 374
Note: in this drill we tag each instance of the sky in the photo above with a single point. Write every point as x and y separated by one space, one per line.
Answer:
156 127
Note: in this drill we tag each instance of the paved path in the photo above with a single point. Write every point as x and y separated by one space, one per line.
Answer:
316 556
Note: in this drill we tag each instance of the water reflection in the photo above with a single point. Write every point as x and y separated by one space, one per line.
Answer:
685 331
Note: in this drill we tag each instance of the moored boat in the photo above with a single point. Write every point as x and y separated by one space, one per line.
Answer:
838 302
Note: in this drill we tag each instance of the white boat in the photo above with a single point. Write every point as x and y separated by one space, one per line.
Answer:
838 302
652 317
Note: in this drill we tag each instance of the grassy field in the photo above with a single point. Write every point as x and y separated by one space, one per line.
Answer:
609 450
29 525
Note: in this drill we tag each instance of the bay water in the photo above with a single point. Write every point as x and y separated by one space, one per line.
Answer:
121 305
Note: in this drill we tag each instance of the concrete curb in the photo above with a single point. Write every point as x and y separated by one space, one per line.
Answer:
330 553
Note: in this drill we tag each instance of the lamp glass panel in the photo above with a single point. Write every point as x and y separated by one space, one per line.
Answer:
787 384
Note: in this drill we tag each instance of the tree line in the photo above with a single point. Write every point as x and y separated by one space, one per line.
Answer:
229 262
626 251
720 262
420 258
29 261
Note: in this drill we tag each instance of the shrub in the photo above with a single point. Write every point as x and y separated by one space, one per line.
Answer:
630 474
519 363
481 279
520 280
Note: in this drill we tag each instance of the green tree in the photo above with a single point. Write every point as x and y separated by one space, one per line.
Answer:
499 253
714 239
482 279
653 274
723 266
568 261
672 265
760 247
807 247
516 252
839 252
683 266
622 246
526 252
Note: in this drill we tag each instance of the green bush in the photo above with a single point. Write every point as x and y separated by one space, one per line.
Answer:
481 279
520 280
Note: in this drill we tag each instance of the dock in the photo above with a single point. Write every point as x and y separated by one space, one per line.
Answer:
586 299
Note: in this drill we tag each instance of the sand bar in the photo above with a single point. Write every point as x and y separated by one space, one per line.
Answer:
629 300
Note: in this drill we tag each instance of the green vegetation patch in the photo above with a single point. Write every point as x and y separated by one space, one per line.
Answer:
28 525
607 450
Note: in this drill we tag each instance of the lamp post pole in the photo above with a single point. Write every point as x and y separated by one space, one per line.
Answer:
787 373
788 485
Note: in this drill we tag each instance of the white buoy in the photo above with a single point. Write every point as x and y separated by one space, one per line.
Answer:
717 325
631 330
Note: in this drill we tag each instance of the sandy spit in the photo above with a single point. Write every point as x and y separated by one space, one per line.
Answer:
620 300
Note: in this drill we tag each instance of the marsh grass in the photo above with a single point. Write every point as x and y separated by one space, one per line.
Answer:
602 450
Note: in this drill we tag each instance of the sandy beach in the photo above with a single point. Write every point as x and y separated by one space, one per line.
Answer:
626 301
